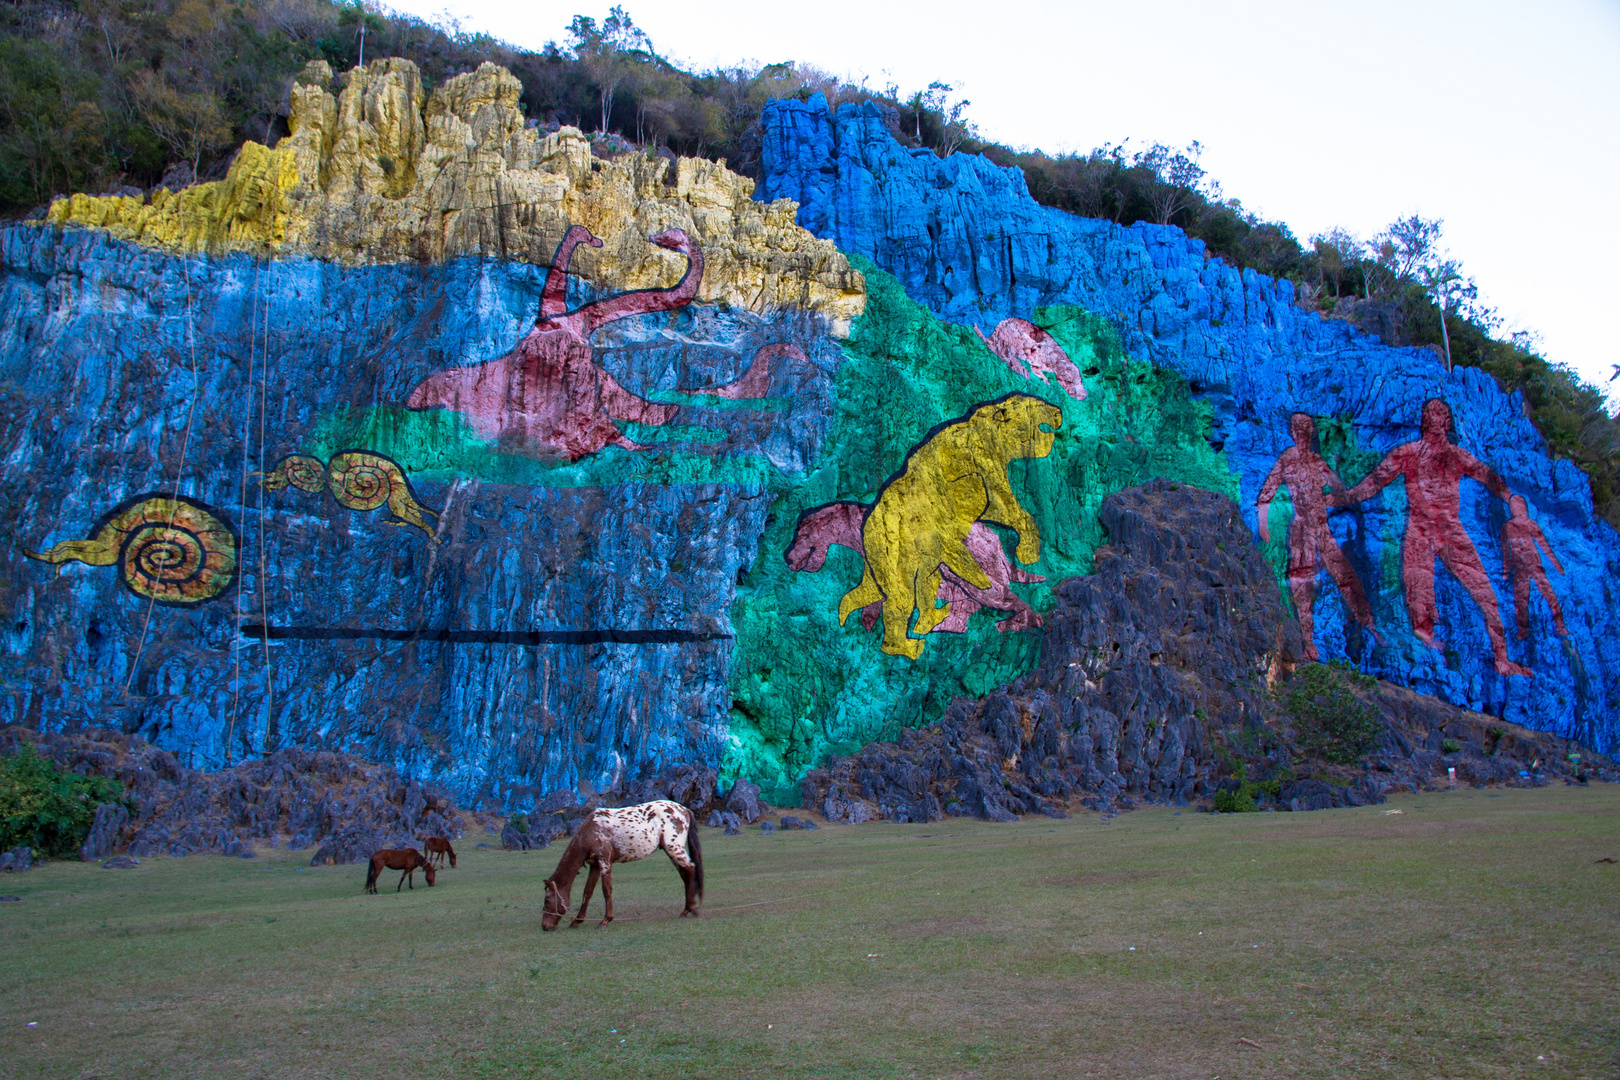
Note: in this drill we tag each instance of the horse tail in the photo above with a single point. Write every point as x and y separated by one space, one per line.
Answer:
371 874
694 849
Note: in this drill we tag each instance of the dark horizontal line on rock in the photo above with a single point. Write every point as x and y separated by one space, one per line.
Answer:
481 637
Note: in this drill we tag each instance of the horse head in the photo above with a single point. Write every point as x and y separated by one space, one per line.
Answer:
556 906
427 870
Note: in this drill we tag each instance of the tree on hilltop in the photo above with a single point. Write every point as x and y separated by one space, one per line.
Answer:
607 52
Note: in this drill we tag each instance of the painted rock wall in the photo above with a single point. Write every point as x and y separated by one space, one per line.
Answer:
276 476
427 437
1438 547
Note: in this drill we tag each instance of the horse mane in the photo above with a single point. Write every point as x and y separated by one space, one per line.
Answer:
573 857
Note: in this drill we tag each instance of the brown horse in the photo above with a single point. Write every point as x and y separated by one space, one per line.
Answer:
625 834
407 859
437 847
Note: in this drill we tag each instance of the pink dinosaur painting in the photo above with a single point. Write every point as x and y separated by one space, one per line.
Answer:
549 397
840 523
1032 352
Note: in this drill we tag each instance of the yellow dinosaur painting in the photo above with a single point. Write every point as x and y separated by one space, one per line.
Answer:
923 514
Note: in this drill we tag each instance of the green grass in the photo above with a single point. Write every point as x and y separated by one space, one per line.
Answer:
1471 935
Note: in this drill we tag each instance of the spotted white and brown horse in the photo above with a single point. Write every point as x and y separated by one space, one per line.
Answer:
625 834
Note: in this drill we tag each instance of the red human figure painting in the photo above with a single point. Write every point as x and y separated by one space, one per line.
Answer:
840 523
549 397
1524 543
1310 541
1032 352
1434 468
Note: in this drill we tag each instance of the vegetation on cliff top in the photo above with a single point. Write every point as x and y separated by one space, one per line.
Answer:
96 95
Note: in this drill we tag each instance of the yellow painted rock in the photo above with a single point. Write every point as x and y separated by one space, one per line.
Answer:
384 172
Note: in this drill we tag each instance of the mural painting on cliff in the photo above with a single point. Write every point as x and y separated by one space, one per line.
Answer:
169 550
965 240
656 500
1434 468
358 480
916 395
550 397
1309 479
1522 538
922 542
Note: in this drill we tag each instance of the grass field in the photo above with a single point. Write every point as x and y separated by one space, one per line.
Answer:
1471 935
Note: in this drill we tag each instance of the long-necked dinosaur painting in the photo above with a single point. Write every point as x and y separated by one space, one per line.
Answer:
549 397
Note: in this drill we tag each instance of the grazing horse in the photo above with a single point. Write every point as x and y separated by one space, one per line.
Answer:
625 834
406 859
437 847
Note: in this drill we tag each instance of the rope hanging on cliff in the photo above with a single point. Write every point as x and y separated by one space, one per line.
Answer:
269 735
179 471
247 420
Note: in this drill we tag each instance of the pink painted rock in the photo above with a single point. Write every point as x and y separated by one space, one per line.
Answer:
548 397
1032 352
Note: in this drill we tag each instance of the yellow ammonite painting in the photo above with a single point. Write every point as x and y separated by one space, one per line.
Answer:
300 470
358 480
364 480
173 551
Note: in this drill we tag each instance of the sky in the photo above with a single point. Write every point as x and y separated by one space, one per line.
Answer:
1502 118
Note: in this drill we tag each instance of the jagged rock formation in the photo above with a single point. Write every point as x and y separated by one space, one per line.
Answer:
965 239
1155 680
387 173
346 807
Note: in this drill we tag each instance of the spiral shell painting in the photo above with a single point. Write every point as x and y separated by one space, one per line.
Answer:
363 480
358 480
300 470
173 551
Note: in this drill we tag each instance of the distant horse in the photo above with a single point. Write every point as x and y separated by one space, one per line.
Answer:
625 834
437 847
406 859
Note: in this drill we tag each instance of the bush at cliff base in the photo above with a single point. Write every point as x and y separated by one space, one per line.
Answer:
45 808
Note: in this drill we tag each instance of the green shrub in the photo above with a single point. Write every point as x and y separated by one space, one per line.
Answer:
1240 801
1450 746
1330 721
46 808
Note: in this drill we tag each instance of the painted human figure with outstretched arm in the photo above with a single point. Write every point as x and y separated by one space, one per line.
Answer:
1310 541
1524 542
1434 468
549 397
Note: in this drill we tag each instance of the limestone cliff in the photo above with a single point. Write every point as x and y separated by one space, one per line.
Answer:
343 453
386 172
1427 574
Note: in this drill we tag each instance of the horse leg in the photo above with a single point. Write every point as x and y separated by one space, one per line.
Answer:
688 872
584 901
401 884
607 896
